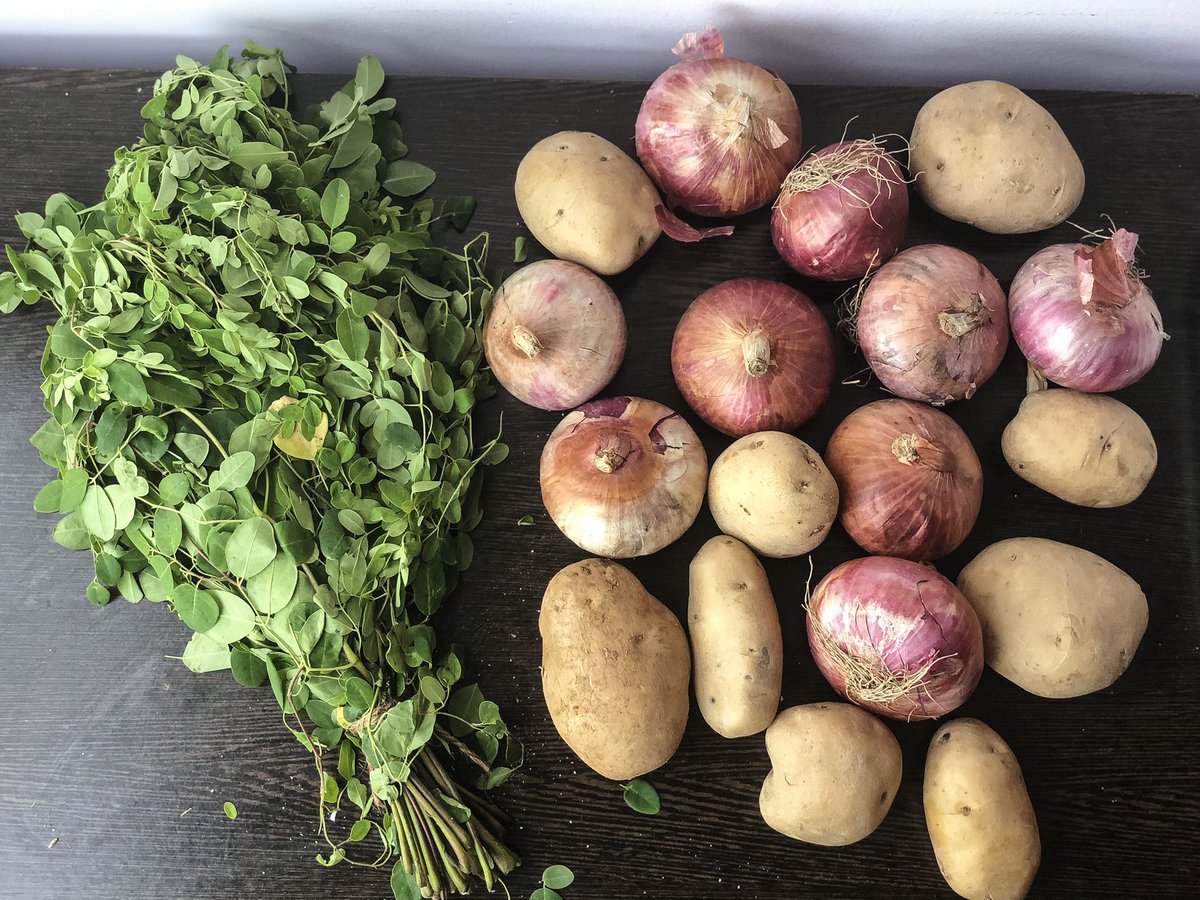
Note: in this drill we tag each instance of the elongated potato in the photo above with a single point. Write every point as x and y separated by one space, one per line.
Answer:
737 646
980 820
835 770
1087 449
587 201
986 154
774 492
1057 620
615 669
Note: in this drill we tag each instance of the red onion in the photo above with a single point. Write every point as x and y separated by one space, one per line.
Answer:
842 211
1083 317
717 135
753 355
909 478
623 476
933 324
895 637
555 334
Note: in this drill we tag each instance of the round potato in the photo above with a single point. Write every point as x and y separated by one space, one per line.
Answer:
1087 449
774 492
586 201
737 646
835 770
1057 620
980 820
615 669
986 154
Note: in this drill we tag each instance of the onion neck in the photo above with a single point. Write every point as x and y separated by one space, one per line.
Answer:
958 323
756 352
1035 381
608 460
526 341
914 450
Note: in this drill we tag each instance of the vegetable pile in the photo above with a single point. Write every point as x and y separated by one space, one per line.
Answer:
261 387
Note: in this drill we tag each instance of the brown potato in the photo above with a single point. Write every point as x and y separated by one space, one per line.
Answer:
835 770
1057 620
737 644
615 669
980 820
587 201
1087 449
986 154
774 492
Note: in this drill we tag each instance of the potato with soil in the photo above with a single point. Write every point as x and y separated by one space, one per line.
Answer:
1057 620
586 201
986 154
835 770
774 492
615 669
737 645
1087 449
981 823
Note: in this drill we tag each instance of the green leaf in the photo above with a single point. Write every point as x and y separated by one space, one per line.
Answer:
195 447
545 893
369 76
296 542
640 796
197 608
236 619
360 830
271 588
248 669
557 877
252 154
251 548
74 486
49 498
127 384
124 504
459 210
168 531
233 473
111 430
335 203
71 533
404 886
525 520
65 343
97 513
173 489
98 594
230 810
519 249
352 334
405 178
203 654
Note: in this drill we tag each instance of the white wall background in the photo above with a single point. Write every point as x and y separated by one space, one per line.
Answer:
1113 44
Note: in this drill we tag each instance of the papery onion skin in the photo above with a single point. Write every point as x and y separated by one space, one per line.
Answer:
718 135
753 355
1101 345
555 335
847 226
933 324
623 476
910 481
895 637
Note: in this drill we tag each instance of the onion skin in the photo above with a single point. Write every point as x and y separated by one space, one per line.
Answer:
933 324
718 135
555 335
623 476
910 481
1099 345
846 227
753 355
895 637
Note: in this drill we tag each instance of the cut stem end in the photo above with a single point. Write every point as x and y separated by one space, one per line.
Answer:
526 341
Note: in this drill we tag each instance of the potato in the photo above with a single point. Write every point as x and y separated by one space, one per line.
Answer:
737 646
835 770
1057 620
615 669
986 154
774 492
586 201
980 820
1087 449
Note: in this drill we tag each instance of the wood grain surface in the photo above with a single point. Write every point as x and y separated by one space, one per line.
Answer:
111 746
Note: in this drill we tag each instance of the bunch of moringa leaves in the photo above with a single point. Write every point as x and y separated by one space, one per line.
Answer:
260 386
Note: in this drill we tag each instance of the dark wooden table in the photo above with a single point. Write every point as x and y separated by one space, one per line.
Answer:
112 747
